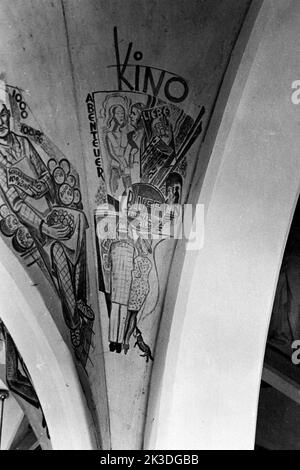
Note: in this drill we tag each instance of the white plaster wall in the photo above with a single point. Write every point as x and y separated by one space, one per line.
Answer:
209 390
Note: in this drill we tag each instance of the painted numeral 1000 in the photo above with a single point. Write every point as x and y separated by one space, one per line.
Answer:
22 105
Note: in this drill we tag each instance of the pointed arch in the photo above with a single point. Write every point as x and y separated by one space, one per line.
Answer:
46 356
205 395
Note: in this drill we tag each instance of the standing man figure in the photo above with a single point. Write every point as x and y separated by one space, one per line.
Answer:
28 189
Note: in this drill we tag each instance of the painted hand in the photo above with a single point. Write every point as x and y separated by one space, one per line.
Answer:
58 232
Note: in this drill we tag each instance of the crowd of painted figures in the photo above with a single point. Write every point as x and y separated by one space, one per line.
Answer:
143 145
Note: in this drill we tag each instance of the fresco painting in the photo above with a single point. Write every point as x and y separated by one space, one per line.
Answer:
42 214
94 224
141 144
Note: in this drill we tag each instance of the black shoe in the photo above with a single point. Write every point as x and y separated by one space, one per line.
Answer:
118 347
112 346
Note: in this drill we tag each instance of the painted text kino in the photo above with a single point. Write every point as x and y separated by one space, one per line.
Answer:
142 78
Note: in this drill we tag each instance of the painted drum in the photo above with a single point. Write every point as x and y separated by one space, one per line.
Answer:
9 225
22 240
66 194
59 175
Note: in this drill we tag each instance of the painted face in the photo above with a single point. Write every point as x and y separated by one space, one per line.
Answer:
120 115
4 121
134 117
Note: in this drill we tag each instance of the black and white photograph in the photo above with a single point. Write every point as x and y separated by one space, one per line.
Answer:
149 228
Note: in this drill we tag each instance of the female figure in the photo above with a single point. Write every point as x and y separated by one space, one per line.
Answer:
139 289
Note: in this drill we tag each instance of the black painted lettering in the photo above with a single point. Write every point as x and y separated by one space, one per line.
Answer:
185 91
149 78
121 69
94 134
100 172
93 127
90 107
137 78
89 98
